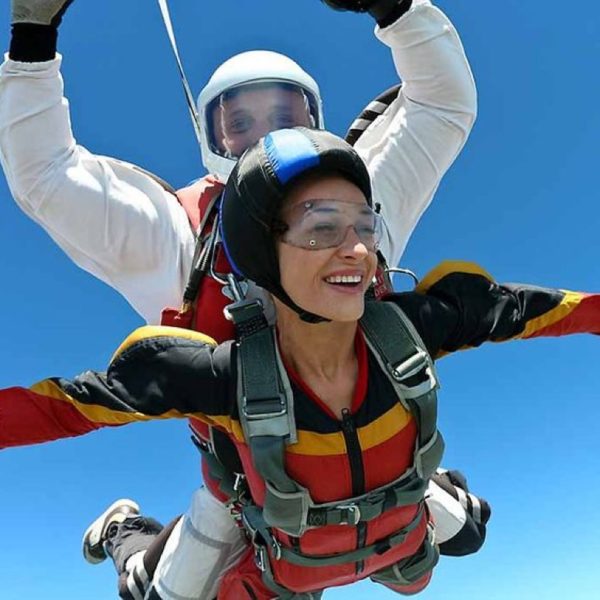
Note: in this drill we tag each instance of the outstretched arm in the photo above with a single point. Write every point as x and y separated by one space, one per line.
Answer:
157 373
113 220
459 306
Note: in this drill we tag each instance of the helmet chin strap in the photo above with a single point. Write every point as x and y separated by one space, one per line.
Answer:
164 10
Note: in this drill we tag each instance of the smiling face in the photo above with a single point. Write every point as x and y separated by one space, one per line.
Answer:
330 282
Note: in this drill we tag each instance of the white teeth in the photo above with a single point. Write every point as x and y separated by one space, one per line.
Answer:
344 279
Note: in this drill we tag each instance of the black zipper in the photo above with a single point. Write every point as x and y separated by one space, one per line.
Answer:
357 473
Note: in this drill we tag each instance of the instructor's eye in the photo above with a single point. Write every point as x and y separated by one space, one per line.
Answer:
283 121
240 125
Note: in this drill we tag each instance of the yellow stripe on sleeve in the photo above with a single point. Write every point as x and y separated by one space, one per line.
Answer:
152 331
96 413
567 305
446 268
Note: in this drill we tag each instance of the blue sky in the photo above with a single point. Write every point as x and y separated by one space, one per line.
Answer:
520 419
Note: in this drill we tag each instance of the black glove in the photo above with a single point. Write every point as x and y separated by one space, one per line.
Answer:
35 28
385 12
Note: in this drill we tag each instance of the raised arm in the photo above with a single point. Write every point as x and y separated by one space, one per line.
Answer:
113 220
157 373
459 306
413 143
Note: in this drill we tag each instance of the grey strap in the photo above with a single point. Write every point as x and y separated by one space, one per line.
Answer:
254 520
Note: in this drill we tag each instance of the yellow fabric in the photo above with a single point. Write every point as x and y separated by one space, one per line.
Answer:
373 434
447 267
153 331
96 413
567 305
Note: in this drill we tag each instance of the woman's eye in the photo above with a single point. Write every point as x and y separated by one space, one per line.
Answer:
324 227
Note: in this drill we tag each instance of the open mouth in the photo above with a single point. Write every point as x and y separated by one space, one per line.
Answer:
346 281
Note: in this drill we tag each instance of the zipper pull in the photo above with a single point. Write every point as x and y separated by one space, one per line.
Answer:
347 421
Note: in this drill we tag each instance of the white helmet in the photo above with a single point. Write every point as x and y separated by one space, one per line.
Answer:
255 69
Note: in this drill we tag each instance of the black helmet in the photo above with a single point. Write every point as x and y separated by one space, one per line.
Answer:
256 188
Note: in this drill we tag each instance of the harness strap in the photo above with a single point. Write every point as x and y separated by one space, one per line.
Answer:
401 352
401 492
264 540
409 570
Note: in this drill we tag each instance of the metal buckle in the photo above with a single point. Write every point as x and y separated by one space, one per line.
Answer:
239 480
259 409
411 366
244 310
351 509
260 558
276 547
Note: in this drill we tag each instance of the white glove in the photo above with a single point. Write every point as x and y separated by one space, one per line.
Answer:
39 12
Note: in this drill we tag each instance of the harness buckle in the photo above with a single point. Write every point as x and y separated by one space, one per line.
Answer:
352 516
411 366
240 478
276 547
243 311
261 558
265 408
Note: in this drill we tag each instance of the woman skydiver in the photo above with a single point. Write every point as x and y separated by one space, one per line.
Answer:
317 407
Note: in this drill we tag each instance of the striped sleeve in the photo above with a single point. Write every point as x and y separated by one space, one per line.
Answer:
458 305
157 373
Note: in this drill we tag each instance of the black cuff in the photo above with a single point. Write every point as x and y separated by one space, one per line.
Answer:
33 43
386 12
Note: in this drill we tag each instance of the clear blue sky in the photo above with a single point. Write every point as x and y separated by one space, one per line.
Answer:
520 419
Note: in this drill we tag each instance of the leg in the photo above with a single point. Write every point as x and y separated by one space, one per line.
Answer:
122 534
203 545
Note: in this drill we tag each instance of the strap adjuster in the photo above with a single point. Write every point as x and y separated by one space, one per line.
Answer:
411 366
264 408
260 558
352 514
244 310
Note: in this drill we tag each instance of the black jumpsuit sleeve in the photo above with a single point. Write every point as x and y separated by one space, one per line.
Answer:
458 306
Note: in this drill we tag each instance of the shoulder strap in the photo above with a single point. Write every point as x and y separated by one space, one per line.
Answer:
403 356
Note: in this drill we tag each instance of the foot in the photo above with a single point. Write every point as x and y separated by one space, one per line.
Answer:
95 535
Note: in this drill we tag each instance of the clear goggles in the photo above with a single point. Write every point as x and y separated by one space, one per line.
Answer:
321 224
241 115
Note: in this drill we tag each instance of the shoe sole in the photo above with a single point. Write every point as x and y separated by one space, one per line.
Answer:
93 534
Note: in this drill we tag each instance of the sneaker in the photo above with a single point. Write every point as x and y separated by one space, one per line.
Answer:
95 535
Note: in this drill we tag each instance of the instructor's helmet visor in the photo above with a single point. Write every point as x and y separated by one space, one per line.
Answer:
321 224
241 115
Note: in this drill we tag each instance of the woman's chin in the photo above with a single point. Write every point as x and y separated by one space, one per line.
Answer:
342 312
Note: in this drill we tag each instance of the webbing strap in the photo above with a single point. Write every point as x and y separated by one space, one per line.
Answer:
401 352
402 492
265 407
164 10
255 523
412 568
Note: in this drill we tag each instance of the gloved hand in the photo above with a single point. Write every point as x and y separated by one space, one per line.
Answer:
39 12
385 12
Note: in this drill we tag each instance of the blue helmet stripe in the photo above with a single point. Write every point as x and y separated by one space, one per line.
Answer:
290 153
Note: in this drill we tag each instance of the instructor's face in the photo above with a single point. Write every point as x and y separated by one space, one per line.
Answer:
330 282
243 119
